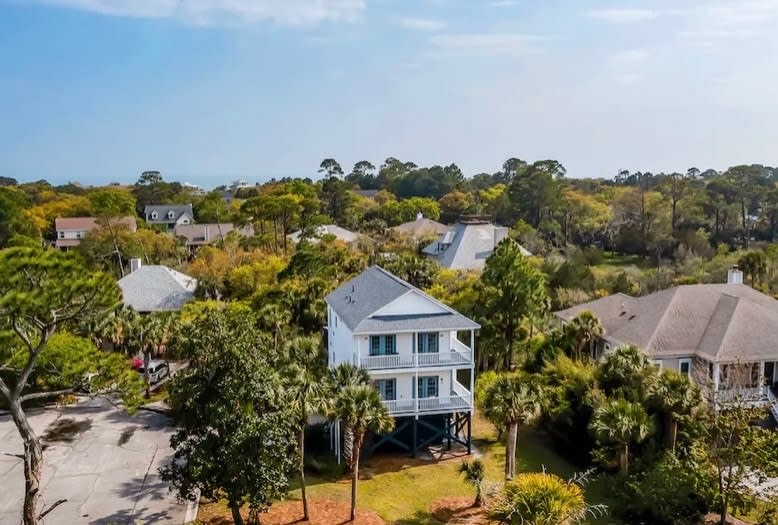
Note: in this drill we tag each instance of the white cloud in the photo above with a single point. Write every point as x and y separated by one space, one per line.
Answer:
623 16
485 44
740 20
421 24
503 3
208 12
628 58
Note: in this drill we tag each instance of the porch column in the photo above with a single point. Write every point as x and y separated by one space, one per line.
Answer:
762 384
414 350
472 368
716 378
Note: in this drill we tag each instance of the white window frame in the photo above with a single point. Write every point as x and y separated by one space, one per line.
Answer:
171 214
657 363
154 216
681 362
61 235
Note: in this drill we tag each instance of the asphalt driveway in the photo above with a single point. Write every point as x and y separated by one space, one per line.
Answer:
103 462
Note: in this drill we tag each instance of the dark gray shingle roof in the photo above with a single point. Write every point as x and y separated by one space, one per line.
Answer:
163 210
720 322
357 299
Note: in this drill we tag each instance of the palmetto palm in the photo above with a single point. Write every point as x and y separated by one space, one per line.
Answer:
307 392
474 473
582 331
674 395
538 498
342 376
360 408
621 423
513 399
628 373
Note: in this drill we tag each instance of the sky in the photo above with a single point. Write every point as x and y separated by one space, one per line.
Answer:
208 91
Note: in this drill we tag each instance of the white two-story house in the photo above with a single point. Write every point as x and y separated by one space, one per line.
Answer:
418 351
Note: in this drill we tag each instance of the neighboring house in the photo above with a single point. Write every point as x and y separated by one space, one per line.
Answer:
341 234
467 245
412 345
723 336
170 215
368 194
156 288
70 230
200 234
420 228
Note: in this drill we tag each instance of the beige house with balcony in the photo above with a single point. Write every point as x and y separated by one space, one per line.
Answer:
418 351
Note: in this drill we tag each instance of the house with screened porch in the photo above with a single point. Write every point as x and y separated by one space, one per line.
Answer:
418 352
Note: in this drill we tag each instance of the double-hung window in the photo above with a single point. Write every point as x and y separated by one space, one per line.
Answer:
383 345
387 388
427 386
427 343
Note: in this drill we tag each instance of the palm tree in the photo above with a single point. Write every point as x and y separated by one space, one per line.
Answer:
627 372
308 393
342 376
620 422
674 395
512 400
360 408
582 332
474 472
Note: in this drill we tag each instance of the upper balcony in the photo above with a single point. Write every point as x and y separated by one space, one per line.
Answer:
451 352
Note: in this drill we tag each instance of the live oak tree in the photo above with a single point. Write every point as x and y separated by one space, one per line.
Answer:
40 291
237 437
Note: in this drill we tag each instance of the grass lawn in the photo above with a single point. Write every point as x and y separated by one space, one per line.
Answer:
400 489
612 262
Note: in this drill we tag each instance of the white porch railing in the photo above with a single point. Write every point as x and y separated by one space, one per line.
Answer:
458 356
759 396
431 404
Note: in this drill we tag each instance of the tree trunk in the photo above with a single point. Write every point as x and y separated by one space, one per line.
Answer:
671 432
355 473
237 519
478 496
624 458
512 439
302 472
33 462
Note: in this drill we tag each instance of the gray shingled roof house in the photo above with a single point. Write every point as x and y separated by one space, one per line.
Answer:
467 245
168 214
200 234
421 227
156 288
359 299
695 329
342 234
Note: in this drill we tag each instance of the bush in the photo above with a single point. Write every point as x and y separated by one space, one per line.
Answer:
538 498
669 492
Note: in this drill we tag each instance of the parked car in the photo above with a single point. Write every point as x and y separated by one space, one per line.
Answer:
158 370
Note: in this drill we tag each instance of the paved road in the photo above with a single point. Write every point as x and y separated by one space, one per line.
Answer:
102 461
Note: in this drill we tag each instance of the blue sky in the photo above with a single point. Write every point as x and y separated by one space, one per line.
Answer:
207 91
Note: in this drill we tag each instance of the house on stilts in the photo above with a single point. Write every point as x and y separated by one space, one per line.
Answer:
418 352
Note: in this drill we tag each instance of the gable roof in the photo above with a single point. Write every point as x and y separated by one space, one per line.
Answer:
357 300
341 234
197 234
718 322
163 209
421 227
90 223
467 245
157 289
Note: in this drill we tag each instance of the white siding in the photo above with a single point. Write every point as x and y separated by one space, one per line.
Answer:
412 302
341 342
71 234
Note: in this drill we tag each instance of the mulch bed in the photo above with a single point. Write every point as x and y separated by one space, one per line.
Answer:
458 510
323 512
